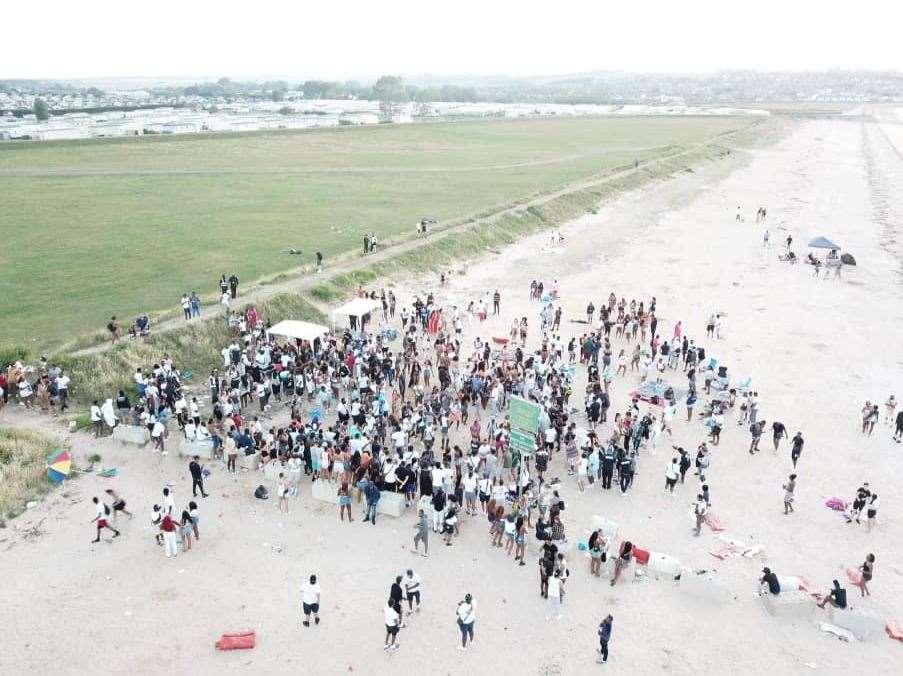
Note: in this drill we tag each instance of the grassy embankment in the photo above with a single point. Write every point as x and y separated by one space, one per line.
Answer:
23 470
125 226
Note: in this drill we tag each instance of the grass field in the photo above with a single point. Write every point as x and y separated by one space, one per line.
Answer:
96 228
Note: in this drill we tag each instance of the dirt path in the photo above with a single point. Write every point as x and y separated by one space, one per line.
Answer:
305 281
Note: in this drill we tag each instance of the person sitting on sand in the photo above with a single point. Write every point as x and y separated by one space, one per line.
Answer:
837 597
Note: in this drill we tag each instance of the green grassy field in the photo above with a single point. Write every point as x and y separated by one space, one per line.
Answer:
95 228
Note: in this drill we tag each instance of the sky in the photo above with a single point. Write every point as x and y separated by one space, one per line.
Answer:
342 38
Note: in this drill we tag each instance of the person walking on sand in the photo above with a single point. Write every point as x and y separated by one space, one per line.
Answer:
393 623
467 615
555 598
118 504
871 512
412 590
185 530
168 528
282 493
197 477
797 449
422 535
101 518
344 494
700 508
789 488
778 432
866 571
310 601
604 637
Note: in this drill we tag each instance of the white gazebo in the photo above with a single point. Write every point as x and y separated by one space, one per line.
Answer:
359 308
298 330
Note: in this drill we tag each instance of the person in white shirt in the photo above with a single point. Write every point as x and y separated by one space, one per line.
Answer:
467 615
555 597
672 473
310 601
412 590
96 419
700 508
393 621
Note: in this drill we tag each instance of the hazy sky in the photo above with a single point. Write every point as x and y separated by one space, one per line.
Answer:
338 38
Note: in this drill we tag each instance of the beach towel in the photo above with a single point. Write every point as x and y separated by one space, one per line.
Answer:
836 504
241 641
893 630
723 554
108 473
713 522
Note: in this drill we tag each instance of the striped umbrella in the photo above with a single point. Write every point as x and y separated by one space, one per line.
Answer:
59 465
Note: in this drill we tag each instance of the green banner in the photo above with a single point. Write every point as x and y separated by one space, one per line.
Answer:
523 442
524 415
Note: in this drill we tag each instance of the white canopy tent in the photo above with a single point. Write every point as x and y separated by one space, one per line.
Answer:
357 308
291 328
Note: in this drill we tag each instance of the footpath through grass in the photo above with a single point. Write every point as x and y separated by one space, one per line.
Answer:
126 226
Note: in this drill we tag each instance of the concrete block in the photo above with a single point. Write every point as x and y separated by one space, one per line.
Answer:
663 566
391 504
202 449
609 528
251 462
131 434
863 623
795 605
325 491
272 469
707 587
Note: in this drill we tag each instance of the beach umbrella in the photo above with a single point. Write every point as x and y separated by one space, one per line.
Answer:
59 465
847 259
822 243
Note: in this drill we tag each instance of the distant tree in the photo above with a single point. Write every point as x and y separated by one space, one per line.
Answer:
391 93
278 95
213 109
286 110
94 91
41 111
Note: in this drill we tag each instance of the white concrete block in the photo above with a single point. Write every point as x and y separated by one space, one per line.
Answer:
251 462
863 623
131 434
797 605
706 587
272 470
325 491
663 566
391 504
202 449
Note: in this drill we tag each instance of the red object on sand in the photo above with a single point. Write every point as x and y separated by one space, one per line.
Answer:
854 575
641 556
242 641
894 631
499 341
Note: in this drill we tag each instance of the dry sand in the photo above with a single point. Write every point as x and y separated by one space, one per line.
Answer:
816 350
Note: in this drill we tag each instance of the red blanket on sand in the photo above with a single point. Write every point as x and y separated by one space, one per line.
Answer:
241 641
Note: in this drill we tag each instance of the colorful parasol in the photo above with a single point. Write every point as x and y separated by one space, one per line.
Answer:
59 465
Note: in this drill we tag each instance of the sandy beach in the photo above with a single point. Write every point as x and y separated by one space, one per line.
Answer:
816 350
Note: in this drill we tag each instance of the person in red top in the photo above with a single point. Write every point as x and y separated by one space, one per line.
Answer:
169 528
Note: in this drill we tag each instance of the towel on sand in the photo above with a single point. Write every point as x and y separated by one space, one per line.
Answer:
240 641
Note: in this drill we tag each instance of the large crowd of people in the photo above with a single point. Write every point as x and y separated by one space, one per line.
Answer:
407 405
